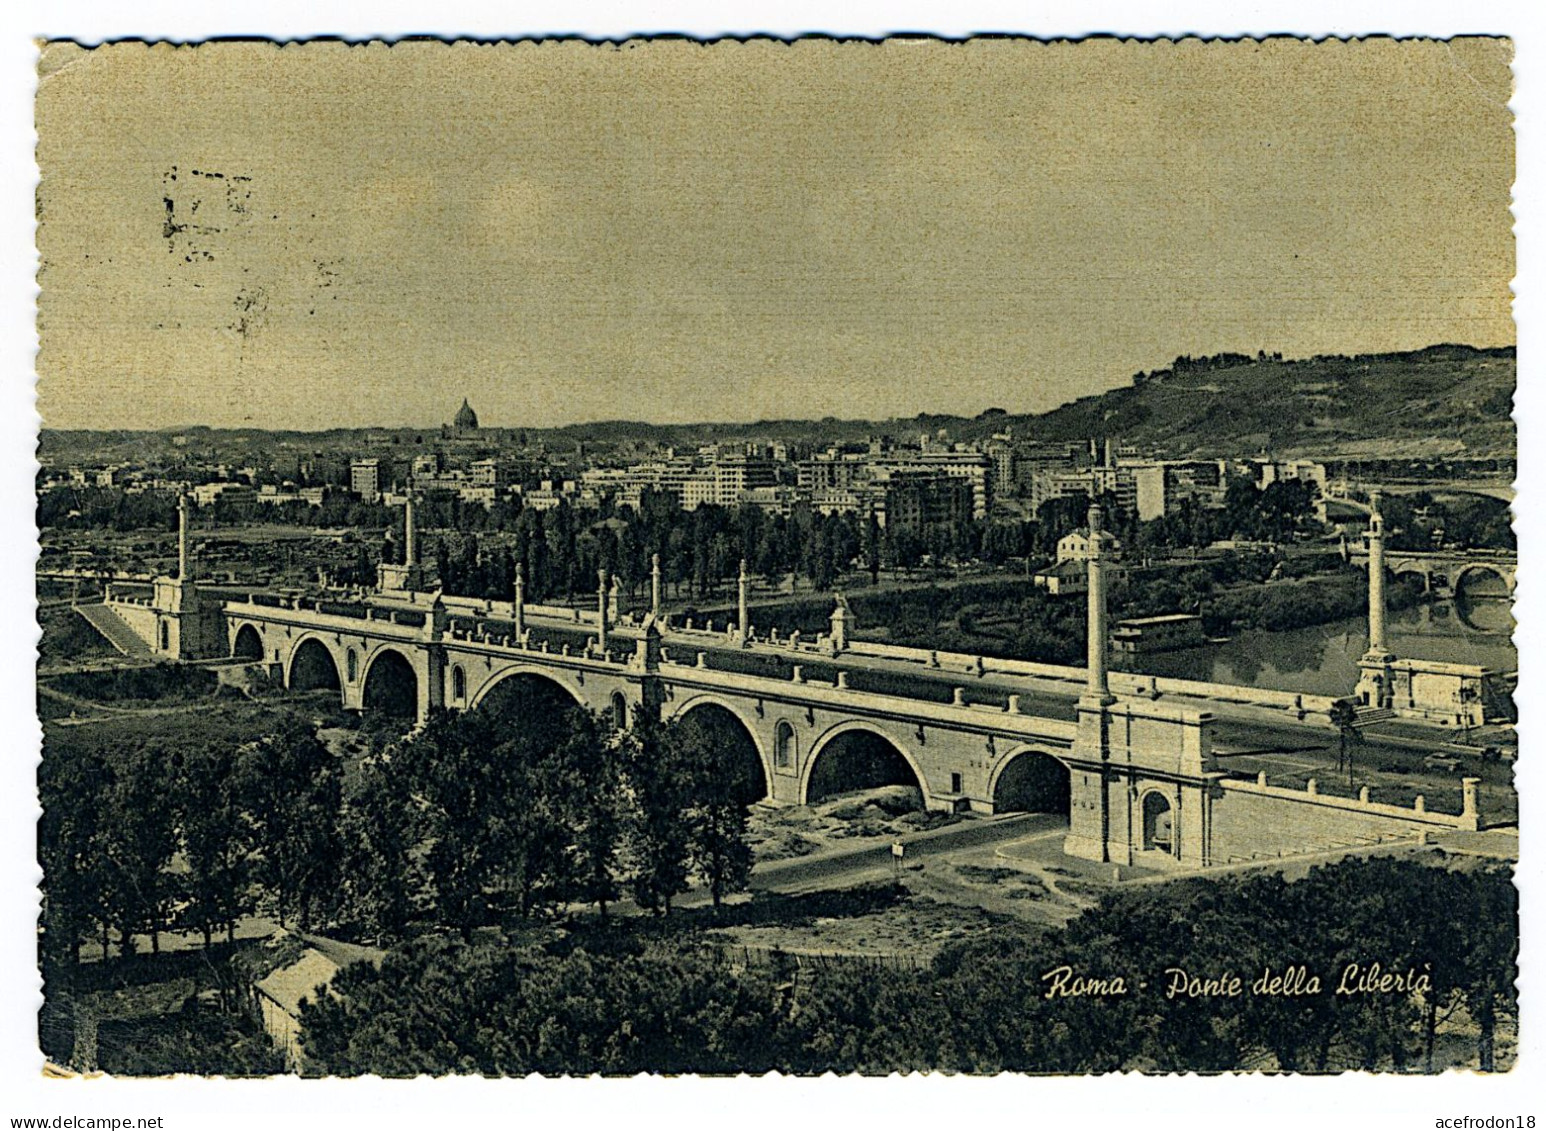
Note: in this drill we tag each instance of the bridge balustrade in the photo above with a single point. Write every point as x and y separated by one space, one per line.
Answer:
338 609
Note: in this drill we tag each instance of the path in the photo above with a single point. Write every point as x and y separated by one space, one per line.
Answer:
873 858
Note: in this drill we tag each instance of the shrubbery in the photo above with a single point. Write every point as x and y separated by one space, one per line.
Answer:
616 1002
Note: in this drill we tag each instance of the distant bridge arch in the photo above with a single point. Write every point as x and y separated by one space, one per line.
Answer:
864 746
390 683
747 719
531 672
1031 780
313 665
1475 571
248 643
1418 570
734 729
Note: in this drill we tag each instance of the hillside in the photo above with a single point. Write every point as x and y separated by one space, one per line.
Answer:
1441 400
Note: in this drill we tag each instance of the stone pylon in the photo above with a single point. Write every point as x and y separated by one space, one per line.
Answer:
1376 537
184 561
518 606
410 542
1375 674
1097 684
743 616
601 610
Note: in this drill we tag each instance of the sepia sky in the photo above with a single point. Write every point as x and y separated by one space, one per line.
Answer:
316 236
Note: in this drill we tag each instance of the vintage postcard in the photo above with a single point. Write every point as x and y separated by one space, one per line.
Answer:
777 557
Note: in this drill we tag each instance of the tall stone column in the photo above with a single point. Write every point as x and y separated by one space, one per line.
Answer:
743 618
1098 799
1097 687
655 586
601 610
410 544
519 605
1377 644
183 563
1376 675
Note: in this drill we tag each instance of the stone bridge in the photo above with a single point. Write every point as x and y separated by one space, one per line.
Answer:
1138 780
1446 569
979 757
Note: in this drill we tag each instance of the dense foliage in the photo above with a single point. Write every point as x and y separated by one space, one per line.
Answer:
514 811
608 1001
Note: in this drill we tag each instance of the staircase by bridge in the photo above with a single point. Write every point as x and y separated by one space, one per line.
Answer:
118 634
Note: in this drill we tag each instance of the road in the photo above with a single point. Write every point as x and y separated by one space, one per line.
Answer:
806 873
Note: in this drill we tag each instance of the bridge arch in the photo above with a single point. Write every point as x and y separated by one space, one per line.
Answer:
730 727
247 644
390 684
1031 780
874 756
547 675
1474 571
1412 569
312 665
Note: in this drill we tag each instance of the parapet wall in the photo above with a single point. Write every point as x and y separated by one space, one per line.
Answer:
139 614
1250 820
1122 683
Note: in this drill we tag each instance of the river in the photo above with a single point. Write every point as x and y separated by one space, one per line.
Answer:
1324 660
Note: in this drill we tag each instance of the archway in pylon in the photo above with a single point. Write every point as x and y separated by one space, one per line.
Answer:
248 645
391 686
312 667
1032 782
735 752
859 759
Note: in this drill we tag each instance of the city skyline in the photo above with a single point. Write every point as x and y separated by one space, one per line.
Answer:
488 428
745 232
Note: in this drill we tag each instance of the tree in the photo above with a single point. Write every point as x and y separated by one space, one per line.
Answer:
73 790
718 788
659 838
1344 716
290 786
496 792
597 811
378 876
1487 947
138 841
216 839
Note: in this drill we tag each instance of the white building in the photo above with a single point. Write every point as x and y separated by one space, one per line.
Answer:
365 479
1075 547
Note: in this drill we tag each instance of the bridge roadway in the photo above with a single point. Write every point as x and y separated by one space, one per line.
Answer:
1240 731
1245 736
959 721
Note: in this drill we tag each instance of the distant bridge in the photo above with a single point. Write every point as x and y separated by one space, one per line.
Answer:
1451 569
1499 489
